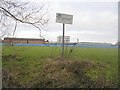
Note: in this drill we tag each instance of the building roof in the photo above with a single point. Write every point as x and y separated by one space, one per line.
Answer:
23 38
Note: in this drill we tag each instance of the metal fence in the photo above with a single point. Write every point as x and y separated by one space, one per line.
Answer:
70 45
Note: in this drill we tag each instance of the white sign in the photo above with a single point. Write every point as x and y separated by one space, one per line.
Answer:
64 18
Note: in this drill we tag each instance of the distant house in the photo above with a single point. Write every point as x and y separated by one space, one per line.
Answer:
24 40
95 44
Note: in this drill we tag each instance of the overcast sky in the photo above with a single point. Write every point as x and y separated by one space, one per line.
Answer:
93 21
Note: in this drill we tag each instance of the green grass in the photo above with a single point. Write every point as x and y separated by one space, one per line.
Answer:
31 52
26 62
108 57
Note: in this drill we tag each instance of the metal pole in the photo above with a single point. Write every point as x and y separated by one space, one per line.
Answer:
63 41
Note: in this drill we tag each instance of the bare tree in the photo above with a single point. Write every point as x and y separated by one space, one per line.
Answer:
13 12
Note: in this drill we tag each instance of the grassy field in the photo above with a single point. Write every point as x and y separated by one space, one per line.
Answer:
24 64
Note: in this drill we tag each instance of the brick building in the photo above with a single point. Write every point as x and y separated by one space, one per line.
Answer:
24 40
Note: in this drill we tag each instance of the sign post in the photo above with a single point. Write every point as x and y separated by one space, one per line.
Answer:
65 19
63 41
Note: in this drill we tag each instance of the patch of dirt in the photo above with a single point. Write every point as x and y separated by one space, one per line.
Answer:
9 80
